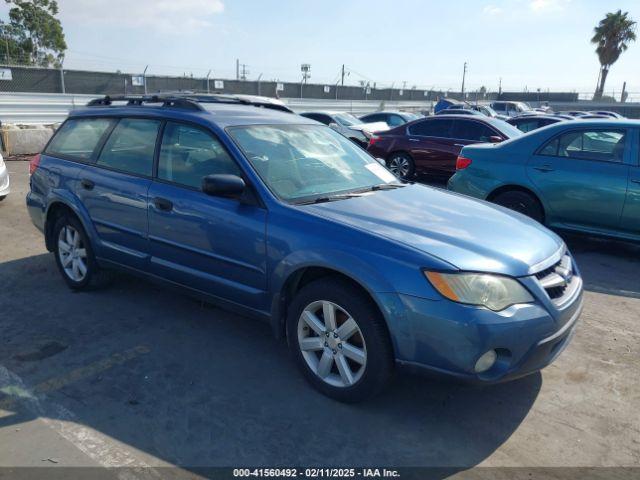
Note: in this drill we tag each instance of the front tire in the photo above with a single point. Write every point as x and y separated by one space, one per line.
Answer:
339 340
522 202
401 165
74 255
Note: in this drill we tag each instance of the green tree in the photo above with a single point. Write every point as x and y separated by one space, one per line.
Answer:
612 37
34 35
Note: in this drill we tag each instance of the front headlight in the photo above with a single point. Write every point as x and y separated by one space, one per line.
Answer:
495 292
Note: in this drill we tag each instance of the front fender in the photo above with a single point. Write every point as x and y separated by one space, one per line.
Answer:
346 263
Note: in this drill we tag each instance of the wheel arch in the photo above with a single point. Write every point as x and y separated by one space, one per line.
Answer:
304 275
518 188
55 209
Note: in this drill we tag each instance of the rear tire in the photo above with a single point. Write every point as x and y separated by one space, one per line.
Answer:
74 255
521 202
3 197
347 354
401 165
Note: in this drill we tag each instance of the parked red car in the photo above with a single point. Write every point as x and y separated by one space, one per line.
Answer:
431 145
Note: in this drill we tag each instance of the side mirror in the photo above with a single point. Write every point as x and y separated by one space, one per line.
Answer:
495 139
228 186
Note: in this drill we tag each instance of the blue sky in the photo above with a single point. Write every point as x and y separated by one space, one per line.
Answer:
533 43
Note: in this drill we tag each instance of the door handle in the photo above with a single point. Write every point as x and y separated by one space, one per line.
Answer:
545 168
414 140
87 184
163 204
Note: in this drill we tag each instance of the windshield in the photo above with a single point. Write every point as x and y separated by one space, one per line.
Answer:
347 120
301 162
488 111
506 128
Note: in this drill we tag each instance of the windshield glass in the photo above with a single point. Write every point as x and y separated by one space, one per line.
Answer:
488 111
346 119
302 162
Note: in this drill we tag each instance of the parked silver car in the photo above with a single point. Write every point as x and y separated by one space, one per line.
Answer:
4 180
348 125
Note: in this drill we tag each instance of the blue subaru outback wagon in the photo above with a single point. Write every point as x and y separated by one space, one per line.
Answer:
279 217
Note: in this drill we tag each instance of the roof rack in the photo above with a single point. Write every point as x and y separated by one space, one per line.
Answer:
167 101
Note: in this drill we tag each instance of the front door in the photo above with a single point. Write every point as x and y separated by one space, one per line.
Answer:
582 174
431 145
212 244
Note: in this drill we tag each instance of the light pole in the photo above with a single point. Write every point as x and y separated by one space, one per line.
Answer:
144 78
208 76
305 68
259 77
464 74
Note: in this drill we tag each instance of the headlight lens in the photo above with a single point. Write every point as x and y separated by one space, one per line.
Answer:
495 292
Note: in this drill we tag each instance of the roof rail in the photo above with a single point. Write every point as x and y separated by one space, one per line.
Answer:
167 101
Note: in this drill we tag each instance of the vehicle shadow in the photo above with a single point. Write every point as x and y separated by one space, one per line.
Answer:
607 266
194 386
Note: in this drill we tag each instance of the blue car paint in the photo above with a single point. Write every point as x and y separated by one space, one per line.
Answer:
596 197
382 241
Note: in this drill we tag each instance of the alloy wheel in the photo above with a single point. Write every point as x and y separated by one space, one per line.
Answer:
72 253
399 166
332 343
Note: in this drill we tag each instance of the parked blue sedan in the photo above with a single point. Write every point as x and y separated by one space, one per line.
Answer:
281 218
582 176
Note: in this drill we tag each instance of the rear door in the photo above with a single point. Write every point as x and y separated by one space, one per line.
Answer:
582 175
431 145
630 221
114 191
213 244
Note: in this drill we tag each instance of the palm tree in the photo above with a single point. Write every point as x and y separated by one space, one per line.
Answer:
612 37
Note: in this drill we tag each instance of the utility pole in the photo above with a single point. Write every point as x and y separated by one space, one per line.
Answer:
259 78
144 78
208 76
342 81
244 72
62 76
500 87
464 75
237 69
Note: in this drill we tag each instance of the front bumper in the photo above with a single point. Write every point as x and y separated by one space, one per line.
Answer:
447 338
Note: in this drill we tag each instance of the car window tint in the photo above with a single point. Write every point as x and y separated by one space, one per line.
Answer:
188 154
395 121
528 125
469 130
78 139
602 145
375 117
432 128
131 146
550 148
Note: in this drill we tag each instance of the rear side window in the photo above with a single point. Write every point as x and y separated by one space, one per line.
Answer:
395 121
475 131
602 145
432 128
131 146
189 154
528 125
78 138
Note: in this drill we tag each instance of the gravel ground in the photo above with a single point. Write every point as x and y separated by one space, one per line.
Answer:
137 375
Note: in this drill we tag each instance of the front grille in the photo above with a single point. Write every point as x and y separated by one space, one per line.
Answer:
557 279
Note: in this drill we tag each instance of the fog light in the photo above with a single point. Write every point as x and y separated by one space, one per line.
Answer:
486 361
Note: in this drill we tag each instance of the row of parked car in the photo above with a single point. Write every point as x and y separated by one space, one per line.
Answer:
580 173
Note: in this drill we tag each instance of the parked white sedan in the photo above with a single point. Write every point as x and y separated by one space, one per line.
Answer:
4 180
348 125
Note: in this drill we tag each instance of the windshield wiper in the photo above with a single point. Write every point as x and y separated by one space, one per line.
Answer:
330 198
387 186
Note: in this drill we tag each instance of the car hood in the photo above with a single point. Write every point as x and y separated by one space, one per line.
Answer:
469 234
370 127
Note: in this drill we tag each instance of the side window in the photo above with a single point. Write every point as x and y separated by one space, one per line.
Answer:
188 154
131 146
602 145
395 121
375 117
528 125
470 130
432 128
77 139
499 107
